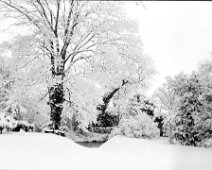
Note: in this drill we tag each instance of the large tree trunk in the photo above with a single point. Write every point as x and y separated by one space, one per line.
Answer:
56 99
56 94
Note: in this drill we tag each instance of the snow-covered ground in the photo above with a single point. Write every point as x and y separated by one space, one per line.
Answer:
28 151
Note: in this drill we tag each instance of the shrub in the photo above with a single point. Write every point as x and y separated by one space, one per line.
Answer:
101 130
107 119
64 129
206 143
7 122
48 128
24 125
139 126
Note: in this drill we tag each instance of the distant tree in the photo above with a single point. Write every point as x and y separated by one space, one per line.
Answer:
166 96
189 110
166 100
190 120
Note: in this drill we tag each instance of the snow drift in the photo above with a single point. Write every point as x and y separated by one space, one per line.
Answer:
29 151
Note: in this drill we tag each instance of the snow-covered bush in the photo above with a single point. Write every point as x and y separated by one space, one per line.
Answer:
15 109
24 125
47 125
72 122
7 122
107 119
136 118
64 129
39 119
12 117
102 130
11 123
2 123
206 143
49 128
139 126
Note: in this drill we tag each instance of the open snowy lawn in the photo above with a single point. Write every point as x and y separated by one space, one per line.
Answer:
159 154
47 151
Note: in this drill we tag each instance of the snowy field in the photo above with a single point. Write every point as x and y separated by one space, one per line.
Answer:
28 151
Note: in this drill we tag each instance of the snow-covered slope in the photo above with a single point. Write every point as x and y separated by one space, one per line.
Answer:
159 154
28 151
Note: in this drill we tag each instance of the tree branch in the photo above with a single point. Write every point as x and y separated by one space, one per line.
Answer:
76 53
24 13
43 14
57 16
78 59
43 96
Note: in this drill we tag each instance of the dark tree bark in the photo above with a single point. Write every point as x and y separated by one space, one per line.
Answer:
1 129
56 99
106 119
56 92
107 98
159 120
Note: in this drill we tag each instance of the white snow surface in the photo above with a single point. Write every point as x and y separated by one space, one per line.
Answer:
37 151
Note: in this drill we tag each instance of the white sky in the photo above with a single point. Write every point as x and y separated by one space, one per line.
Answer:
177 35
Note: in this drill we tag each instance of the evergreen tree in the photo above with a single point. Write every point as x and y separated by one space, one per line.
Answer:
190 107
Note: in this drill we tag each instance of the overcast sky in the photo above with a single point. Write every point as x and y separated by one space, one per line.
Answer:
176 34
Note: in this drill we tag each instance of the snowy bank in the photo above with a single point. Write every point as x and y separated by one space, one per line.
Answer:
29 151
159 154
